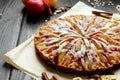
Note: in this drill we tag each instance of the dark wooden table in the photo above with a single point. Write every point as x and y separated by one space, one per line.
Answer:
16 27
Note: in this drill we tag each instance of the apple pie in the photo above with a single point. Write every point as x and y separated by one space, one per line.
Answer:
80 43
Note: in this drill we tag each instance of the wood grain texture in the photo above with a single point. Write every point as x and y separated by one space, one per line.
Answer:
9 30
3 4
109 8
16 27
29 26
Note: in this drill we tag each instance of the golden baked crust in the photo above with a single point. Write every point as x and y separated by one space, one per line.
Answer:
80 43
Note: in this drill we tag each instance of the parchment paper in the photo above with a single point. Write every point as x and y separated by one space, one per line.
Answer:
25 59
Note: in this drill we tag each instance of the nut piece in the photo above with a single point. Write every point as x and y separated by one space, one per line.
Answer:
116 17
77 78
118 8
58 11
62 9
108 77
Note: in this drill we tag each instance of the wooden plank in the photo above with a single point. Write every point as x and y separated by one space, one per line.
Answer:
9 30
75 1
61 3
109 8
3 4
18 75
29 27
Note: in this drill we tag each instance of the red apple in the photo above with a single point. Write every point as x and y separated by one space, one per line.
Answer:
35 7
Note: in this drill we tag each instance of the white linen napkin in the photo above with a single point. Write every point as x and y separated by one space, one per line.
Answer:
25 59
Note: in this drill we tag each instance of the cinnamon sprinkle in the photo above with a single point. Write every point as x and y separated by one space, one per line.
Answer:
103 14
44 76
54 77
